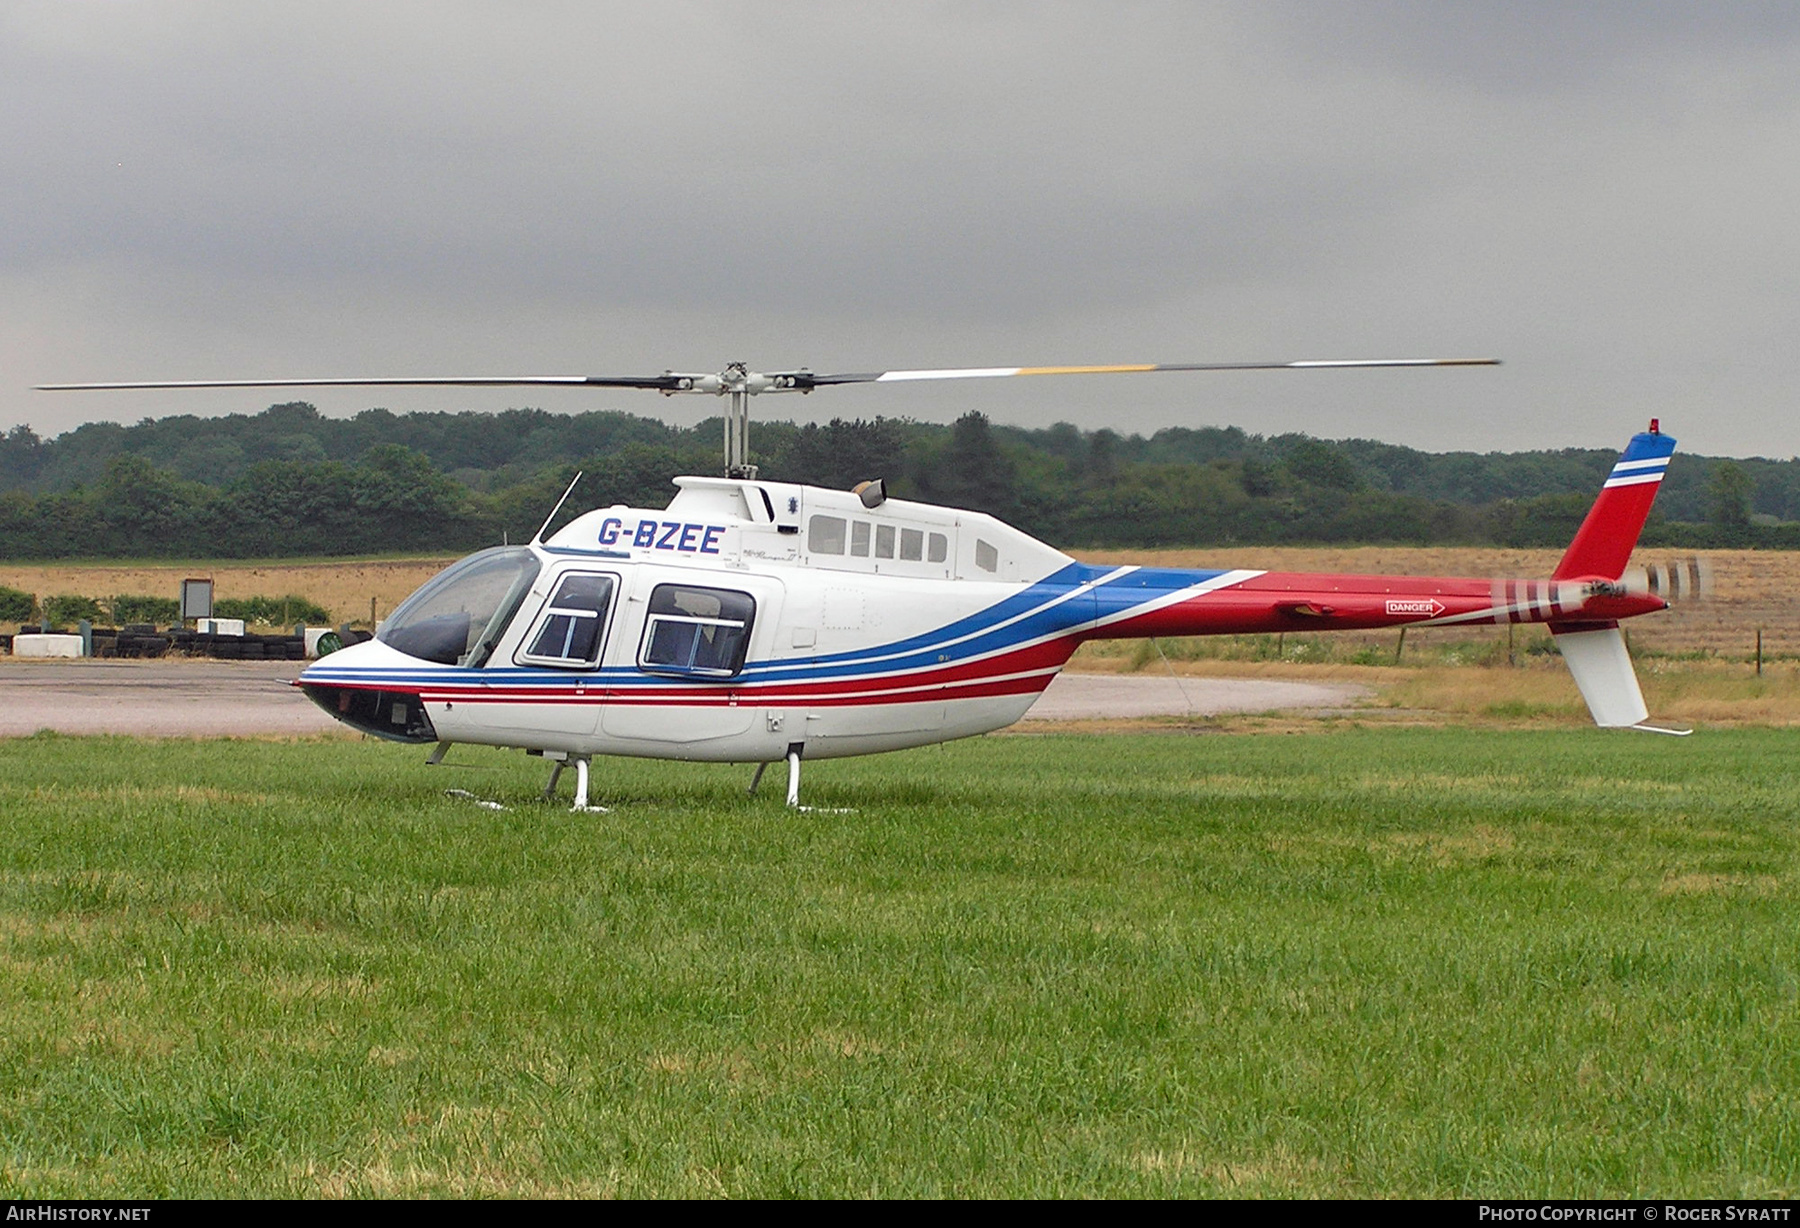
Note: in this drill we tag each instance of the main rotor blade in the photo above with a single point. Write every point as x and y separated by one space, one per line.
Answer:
671 383
805 379
786 381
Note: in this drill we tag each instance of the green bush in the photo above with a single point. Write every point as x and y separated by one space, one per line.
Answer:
16 606
143 609
67 609
272 611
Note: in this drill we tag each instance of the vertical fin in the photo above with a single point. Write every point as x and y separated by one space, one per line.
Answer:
1604 543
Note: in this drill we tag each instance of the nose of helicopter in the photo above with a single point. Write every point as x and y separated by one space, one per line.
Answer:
372 688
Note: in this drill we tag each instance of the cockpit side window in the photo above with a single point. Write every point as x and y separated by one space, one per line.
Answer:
572 627
702 632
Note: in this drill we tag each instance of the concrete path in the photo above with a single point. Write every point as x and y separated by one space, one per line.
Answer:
156 699
162 699
1086 697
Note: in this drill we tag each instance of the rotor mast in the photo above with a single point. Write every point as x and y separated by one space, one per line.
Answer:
737 383
737 436
737 421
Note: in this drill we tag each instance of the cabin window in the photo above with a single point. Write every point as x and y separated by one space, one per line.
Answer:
698 631
986 557
939 548
825 535
569 631
859 538
912 544
458 617
884 541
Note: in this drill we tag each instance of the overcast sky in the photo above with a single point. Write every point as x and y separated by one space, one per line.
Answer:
1605 195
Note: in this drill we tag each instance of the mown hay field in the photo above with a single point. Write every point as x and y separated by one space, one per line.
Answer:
345 587
1754 589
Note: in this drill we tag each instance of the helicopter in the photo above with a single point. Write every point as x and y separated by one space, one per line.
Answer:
762 622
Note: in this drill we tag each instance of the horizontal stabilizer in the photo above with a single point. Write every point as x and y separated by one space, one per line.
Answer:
1602 670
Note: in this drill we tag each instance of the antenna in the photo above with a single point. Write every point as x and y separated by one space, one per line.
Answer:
538 537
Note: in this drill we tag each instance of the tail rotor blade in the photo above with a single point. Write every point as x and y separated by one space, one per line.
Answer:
1700 575
1678 581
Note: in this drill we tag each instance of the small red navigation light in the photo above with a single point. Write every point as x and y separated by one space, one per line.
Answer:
1656 426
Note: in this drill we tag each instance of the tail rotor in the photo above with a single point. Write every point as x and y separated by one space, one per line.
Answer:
1677 581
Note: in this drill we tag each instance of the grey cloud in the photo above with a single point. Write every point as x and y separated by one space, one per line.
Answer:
1602 193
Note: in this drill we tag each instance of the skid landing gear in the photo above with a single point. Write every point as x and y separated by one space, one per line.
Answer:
581 782
793 789
793 766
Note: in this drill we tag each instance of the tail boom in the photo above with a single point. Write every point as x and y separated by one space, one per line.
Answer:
1272 602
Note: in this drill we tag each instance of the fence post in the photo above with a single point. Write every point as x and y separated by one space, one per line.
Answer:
1759 652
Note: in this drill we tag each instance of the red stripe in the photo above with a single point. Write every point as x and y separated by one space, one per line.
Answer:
1028 685
1032 659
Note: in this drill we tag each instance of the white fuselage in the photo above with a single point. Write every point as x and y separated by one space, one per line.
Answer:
869 629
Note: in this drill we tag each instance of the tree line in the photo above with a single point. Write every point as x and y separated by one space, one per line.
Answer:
290 481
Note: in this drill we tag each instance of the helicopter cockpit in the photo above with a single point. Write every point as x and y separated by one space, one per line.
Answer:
455 619
458 616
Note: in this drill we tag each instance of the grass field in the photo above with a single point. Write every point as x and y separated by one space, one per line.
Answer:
1364 962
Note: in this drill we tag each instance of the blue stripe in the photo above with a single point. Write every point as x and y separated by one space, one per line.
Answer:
1145 585
1645 446
1045 608
1023 602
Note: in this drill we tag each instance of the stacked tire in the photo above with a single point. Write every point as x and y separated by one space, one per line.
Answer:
244 647
141 640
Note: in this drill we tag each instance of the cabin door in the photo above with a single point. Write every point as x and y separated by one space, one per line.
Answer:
683 642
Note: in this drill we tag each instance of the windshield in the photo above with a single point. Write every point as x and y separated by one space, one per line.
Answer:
457 618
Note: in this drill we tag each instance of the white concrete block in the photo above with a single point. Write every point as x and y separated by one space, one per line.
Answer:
221 626
46 645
